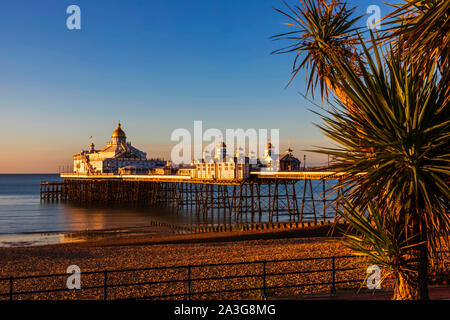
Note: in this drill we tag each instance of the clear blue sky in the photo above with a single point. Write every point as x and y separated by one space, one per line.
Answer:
156 65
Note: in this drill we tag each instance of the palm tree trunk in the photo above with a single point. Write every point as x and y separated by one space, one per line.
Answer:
413 284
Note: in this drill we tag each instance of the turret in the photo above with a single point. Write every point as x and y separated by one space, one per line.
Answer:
221 151
268 150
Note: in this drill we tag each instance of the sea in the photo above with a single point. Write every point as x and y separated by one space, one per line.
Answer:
26 220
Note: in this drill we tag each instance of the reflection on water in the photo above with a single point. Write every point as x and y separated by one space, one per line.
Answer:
26 221
22 213
109 217
29 215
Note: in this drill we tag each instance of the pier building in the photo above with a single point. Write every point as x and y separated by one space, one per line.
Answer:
221 166
288 162
117 156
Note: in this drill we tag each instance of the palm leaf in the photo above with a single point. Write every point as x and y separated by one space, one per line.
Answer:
421 28
398 138
322 30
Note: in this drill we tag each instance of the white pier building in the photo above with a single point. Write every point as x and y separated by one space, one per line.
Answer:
116 157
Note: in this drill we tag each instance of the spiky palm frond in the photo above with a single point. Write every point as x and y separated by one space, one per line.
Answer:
421 28
374 236
405 122
322 31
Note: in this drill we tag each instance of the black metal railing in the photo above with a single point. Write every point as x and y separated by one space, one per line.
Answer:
104 282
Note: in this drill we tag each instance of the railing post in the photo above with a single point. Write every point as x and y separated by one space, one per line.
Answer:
10 288
263 294
189 281
333 275
105 285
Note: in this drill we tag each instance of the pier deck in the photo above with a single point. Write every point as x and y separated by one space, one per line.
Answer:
300 175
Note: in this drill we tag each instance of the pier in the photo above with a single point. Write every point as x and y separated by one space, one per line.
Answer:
264 197
226 187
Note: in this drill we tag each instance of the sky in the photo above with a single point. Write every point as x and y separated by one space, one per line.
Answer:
155 65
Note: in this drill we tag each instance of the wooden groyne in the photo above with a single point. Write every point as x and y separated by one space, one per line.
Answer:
324 227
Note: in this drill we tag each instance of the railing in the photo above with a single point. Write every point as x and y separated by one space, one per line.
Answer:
89 174
104 285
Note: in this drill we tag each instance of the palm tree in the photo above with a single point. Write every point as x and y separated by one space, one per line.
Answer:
421 29
391 126
321 31
396 194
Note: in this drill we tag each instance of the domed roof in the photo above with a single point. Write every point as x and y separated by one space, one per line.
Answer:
288 156
118 132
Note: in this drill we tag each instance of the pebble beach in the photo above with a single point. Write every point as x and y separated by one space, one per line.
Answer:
181 250
170 250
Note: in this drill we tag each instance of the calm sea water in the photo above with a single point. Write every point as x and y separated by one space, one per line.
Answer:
23 216
21 211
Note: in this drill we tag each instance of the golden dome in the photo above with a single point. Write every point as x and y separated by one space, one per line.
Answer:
118 132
